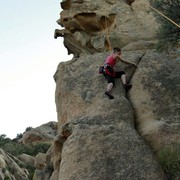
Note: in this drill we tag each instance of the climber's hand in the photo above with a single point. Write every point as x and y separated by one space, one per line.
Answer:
134 65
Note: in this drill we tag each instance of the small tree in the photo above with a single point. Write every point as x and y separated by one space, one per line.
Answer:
168 34
4 140
28 129
19 136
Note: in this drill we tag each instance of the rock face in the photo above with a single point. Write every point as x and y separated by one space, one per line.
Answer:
157 107
45 132
9 167
95 26
113 139
27 159
103 143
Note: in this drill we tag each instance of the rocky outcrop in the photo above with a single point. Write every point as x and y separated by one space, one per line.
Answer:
10 167
114 139
103 141
97 26
45 132
27 159
157 105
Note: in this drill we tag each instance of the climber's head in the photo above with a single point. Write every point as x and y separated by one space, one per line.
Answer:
116 52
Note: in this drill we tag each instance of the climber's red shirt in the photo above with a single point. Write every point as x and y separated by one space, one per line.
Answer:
110 61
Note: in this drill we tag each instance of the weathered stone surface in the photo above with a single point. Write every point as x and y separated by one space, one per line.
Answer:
102 131
27 159
9 167
45 132
2 161
103 22
157 106
40 161
107 139
44 165
55 175
99 148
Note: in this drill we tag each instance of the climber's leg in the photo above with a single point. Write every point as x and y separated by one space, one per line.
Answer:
123 78
109 87
122 75
125 84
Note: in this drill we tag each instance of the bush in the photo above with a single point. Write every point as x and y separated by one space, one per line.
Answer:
168 34
28 129
4 140
16 149
31 170
169 158
31 149
4 170
7 178
19 136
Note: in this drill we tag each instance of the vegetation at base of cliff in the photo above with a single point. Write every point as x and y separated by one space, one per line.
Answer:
169 158
7 178
168 34
31 170
16 149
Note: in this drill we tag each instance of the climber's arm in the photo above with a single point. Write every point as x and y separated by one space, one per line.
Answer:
126 62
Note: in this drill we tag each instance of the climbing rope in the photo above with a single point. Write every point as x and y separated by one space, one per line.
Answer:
107 35
160 13
157 11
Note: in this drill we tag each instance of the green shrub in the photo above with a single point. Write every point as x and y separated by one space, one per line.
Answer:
28 129
19 136
7 178
41 147
11 169
31 170
169 158
4 140
4 170
16 149
49 168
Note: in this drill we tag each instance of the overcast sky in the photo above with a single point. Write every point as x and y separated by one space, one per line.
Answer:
29 56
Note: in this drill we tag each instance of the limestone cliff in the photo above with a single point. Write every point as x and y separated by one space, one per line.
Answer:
113 139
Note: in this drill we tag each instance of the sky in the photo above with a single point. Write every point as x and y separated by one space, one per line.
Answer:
29 56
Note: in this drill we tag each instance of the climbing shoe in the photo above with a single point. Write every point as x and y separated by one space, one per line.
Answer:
109 95
127 86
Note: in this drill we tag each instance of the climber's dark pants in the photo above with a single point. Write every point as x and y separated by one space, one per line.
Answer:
111 79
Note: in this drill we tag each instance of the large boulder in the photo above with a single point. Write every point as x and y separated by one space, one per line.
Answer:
103 143
45 132
155 98
93 26
26 158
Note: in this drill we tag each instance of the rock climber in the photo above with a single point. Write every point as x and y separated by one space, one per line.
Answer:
130 2
110 74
